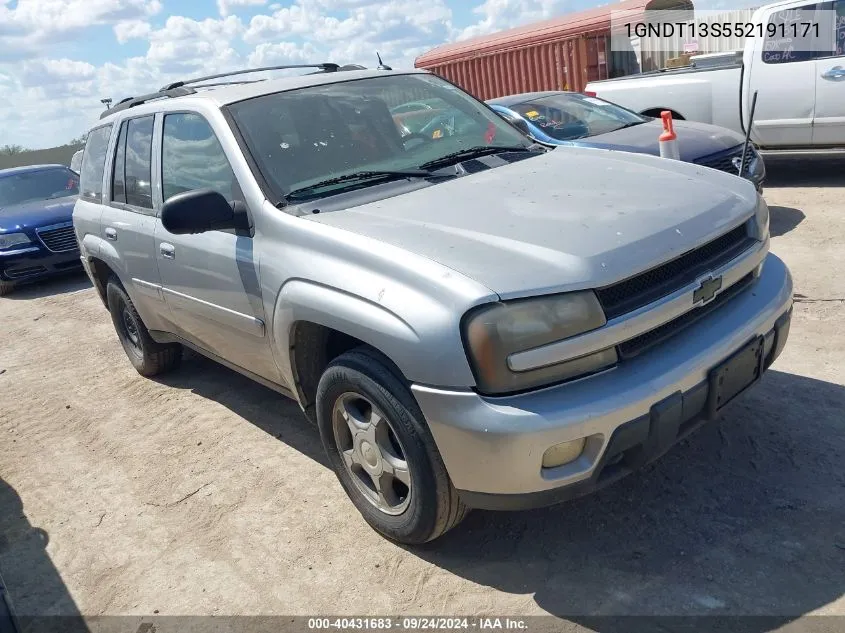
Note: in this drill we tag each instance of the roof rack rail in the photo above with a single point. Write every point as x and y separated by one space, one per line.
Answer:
325 67
181 88
131 102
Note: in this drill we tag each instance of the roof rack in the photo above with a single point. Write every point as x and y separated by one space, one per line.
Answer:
325 67
181 88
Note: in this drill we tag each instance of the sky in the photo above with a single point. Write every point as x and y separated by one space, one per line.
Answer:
58 58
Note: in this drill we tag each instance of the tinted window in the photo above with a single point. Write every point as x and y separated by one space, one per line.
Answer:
139 150
572 116
94 164
839 36
796 35
303 137
43 184
118 189
192 158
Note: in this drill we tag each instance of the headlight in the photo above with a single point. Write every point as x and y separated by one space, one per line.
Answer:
493 332
761 220
13 239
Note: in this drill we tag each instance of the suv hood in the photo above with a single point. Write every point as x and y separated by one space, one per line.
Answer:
570 219
30 215
695 140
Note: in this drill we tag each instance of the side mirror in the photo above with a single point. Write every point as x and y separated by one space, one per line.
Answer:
202 210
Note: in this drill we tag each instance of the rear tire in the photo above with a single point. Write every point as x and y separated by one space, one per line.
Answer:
147 357
6 288
382 451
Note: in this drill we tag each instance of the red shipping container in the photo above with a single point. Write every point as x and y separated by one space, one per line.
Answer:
563 53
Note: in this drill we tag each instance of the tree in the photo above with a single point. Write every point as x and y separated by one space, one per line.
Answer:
79 141
12 150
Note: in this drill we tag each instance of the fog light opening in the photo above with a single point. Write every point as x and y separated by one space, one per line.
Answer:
563 453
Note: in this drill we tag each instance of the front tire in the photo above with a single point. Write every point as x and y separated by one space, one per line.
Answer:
147 357
382 451
6 288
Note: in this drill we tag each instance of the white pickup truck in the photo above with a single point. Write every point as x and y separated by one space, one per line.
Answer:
801 93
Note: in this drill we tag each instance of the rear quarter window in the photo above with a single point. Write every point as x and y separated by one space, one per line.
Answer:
94 164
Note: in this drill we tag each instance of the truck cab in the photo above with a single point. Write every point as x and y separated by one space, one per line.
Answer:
800 81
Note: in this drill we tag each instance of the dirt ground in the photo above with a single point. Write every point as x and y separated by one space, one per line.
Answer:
203 493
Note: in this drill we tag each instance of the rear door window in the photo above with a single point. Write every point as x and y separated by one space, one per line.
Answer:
118 187
94 164
139 151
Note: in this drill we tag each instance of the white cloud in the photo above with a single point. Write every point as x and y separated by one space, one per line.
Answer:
184 42
32 24
52 92
49 71
225 6
287 21
282 53
503 14
391 28
131 30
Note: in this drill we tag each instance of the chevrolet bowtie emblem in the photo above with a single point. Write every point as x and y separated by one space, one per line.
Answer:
707 290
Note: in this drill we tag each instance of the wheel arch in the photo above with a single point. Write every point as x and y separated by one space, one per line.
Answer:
309 316
314 324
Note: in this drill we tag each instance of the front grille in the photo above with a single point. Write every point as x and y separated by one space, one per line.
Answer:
723 161
640 290
59 239
641 343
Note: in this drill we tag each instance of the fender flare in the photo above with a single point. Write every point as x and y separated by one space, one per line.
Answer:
302 300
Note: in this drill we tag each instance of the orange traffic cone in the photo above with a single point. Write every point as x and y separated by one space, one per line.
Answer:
668 140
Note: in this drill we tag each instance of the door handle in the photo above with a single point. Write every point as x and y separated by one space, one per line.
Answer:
168 251
111 233
836 73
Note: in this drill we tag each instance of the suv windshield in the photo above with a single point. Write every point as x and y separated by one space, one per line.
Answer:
303 137
571 116
42 184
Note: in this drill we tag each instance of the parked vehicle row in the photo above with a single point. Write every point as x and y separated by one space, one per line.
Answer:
800 86
37 239
472 319
577 120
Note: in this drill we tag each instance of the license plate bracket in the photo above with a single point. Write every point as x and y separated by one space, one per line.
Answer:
735 374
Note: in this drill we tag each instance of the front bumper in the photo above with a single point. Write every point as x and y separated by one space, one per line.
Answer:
493 447
33 262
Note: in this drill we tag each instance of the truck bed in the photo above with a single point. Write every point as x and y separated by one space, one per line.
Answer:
674 72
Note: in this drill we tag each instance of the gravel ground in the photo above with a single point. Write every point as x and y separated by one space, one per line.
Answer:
203 493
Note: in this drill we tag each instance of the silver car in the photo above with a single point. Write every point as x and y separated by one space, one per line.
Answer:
471 320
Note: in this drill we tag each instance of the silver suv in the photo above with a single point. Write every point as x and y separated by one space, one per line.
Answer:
472 320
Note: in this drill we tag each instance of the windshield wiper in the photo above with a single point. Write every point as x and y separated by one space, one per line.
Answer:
364 176
472 152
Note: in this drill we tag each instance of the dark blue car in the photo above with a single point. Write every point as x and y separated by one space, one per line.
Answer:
575 119
36 231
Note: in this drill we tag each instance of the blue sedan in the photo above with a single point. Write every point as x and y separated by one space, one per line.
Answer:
570 118
37 239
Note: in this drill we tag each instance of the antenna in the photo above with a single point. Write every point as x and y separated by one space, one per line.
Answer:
381 64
